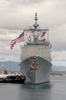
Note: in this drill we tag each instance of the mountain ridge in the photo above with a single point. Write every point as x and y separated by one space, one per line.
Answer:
11 65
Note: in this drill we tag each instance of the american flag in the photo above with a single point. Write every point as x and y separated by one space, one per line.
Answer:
13 42
21 38
18 39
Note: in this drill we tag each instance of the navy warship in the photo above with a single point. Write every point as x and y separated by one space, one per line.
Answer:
35 56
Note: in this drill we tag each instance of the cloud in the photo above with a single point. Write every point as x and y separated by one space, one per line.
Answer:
59 56
25 2
16 15
10 58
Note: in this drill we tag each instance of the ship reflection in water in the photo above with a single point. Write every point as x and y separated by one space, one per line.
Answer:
55 90
38 92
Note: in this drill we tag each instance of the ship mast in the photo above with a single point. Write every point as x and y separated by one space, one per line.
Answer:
35 25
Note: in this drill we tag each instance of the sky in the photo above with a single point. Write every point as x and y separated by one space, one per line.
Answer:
16 15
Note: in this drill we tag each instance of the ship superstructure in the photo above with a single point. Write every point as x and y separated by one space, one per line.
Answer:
36 58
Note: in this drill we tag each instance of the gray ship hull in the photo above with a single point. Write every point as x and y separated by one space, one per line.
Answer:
37 74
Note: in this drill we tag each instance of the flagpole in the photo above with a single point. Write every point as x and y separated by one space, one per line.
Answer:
47 34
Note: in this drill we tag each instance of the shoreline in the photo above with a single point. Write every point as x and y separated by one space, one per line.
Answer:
57 74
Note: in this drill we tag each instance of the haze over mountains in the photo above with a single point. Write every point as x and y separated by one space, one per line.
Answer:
59 69
9 65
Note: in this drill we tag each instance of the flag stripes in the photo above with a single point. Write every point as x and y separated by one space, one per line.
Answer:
18 39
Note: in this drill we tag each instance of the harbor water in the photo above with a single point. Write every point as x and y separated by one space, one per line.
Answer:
55 90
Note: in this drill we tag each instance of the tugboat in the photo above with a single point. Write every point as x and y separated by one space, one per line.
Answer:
11 78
